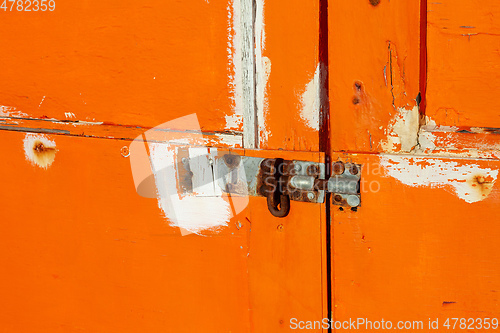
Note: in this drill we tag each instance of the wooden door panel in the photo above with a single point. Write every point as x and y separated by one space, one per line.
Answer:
287 259
374 69
422 245
122 63
292 71
81 250
463 42
288 275
423 242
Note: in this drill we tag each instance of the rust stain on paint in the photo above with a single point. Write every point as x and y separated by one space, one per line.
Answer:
39 150
481 184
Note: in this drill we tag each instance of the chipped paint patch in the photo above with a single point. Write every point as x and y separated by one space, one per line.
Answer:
426 141
10 111
39 150
469 182
311 100
69 115
234 122
403 130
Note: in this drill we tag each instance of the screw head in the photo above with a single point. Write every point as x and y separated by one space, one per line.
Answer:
338 168
311 196
353 169
337 198
232 160
312 170
280 228
353 201
125 151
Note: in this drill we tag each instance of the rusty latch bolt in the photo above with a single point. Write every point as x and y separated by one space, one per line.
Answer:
344 184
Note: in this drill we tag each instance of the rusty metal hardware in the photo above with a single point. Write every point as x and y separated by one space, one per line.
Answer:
283 180
278 202
279 181
344 184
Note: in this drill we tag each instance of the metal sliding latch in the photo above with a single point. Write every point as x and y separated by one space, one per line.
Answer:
279 180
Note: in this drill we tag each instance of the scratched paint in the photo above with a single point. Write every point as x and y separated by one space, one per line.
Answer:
39 150
469 182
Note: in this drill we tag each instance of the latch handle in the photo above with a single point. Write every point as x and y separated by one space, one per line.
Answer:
278 203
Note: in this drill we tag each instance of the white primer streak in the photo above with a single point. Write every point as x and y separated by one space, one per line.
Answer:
263 70
311 100
242 79
433 172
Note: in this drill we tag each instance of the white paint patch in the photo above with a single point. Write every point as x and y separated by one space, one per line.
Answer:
39 150
69 115
311 100
470 182
10 111
228 140
426 141
234 121
192 214
403 130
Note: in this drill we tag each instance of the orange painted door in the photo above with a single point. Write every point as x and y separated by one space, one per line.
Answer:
81 249
404 88
413 99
